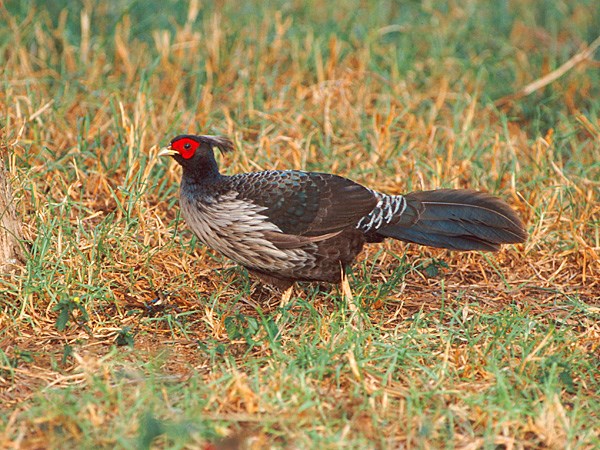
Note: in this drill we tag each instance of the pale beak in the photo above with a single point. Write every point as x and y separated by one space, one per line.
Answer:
167 151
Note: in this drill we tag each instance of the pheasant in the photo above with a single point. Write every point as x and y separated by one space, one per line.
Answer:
287 226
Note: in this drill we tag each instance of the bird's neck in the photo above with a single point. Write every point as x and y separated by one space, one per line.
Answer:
201 185
204 171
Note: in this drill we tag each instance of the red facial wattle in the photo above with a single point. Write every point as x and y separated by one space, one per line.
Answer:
186 147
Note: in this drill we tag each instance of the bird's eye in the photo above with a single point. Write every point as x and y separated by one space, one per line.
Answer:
187 145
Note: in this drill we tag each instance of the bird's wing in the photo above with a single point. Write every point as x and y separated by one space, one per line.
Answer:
306 203
289 241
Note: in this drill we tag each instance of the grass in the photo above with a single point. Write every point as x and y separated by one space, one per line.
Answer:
121 331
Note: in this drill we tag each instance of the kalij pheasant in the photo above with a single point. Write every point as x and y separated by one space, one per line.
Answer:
287 226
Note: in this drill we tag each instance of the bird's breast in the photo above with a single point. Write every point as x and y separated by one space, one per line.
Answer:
236 228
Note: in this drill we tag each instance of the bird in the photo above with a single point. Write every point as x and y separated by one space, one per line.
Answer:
286 226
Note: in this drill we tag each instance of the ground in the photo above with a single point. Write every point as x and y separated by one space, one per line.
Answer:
121 330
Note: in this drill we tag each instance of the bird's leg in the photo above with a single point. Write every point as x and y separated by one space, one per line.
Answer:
283 284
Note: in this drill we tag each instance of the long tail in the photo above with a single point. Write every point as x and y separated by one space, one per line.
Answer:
457 219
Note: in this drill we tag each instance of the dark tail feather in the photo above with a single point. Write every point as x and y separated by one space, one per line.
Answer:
457 219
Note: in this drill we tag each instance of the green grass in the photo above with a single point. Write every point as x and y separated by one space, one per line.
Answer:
122 331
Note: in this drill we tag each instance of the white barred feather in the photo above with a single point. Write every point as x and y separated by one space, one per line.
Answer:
388 207
236 228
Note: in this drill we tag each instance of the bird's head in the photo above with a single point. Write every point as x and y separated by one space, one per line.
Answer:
195 153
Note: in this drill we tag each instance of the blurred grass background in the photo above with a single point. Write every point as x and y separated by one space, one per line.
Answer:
120 331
